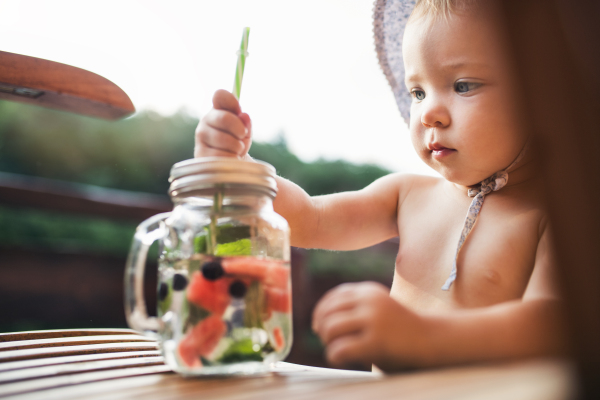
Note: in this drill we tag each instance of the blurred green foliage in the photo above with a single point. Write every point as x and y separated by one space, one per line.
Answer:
133 154
372 264
318 177
66 233
136 154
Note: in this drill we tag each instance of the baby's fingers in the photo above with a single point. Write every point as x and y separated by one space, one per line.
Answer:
223 100
227 122
247 123
348 351
340 324
215 143
340 298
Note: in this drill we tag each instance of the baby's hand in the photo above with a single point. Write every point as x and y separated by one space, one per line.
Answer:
360 324
225 130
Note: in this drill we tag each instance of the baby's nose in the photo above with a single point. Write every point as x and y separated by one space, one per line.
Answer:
435 115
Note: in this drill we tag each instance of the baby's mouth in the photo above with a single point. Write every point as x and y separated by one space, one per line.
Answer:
439 151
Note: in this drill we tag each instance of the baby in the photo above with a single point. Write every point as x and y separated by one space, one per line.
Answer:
465 289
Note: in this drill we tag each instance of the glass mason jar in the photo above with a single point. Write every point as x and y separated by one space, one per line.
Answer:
224 285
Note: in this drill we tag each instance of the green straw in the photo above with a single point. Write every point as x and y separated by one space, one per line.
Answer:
218 195
241 62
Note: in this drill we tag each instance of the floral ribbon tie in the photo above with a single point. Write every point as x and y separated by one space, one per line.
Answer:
495 182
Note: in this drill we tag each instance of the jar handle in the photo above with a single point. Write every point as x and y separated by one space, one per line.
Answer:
136 312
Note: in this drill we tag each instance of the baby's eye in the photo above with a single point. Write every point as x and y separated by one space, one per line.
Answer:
464 87
418 94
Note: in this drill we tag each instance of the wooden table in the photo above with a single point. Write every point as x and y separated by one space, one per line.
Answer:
73 367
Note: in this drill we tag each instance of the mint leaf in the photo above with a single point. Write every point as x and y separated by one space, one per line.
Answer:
200 244
226 234
241 351
230 233
242 247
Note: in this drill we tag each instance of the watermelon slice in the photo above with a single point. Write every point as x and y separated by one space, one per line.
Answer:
187 353
213 296
278 337
271 273
201 340
277 300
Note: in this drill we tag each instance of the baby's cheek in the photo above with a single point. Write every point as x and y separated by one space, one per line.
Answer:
417 136
420 146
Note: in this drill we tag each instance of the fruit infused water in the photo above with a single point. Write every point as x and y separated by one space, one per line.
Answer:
224 314
224 285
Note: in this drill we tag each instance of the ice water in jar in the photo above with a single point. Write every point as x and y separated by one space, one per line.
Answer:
224 285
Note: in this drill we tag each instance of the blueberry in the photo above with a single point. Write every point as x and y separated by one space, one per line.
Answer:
179 282
212 270
163 291
237 289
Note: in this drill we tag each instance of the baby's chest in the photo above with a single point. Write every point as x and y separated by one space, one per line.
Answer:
494 264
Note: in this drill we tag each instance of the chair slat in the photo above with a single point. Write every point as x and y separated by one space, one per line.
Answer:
47 334
41 362
71 341
26 354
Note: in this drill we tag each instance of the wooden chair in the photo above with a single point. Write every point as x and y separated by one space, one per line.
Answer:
39 360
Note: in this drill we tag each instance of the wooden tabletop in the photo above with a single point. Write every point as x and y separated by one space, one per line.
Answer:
535 380
121 364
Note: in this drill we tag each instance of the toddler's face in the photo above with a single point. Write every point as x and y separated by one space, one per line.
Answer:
463 119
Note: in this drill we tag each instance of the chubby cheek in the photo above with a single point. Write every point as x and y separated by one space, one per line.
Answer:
490 142
454 171
418 139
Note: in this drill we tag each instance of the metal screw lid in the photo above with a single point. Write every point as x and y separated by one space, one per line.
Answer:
208 172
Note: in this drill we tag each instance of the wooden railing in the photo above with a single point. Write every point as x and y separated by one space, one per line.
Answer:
47 194
54 288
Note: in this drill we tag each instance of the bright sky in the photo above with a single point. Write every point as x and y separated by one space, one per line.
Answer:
312 71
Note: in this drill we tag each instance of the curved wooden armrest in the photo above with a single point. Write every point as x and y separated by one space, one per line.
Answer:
60 86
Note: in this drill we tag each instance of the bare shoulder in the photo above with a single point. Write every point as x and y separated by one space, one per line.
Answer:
404 183
525 202
417 186
396 187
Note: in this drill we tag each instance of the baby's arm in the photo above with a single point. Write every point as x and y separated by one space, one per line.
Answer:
342 221
361 323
